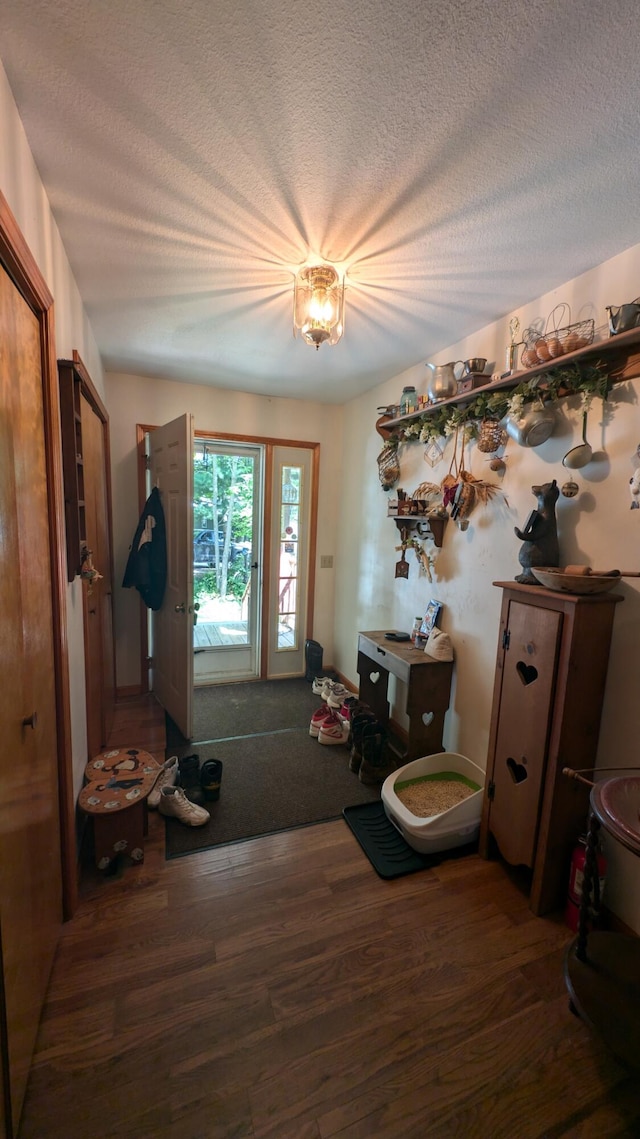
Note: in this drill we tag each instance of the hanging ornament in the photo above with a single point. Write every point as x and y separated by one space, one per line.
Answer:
570 489
402 567
433 453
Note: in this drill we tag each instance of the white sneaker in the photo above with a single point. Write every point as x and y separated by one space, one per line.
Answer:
333 730
166 778
174 804
333 690
319 683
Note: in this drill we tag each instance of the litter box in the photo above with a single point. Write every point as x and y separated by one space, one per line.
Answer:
454 827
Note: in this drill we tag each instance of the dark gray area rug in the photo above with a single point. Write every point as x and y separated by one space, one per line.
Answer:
275 777
224 710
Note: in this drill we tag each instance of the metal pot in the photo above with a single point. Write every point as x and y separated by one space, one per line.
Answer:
623 317
533 427
475 364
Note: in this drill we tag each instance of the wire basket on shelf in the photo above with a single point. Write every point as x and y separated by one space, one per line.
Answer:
557 340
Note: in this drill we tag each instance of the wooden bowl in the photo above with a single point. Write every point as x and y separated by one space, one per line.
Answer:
573 583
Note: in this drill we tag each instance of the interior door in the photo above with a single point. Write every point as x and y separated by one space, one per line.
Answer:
30 865
171 470
291 499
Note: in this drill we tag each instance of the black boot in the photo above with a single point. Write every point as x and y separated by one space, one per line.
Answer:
210 779
358 724
377 759
189 779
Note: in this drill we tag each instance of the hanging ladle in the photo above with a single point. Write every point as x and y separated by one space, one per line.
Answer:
582 454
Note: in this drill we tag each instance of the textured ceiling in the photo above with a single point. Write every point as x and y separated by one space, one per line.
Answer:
458 158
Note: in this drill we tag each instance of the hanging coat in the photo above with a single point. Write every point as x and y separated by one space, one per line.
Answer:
146 568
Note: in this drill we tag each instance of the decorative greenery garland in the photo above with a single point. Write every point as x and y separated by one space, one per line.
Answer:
588 380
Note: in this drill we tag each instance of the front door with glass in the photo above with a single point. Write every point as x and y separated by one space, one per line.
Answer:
227 558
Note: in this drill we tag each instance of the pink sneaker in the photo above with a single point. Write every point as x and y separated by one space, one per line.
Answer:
333 730
318 719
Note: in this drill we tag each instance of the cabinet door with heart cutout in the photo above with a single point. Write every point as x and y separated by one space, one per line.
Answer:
529 666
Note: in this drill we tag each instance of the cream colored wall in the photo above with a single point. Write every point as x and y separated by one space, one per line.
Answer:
133 399
21 185
597 528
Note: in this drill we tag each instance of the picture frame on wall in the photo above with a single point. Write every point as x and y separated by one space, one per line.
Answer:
430 619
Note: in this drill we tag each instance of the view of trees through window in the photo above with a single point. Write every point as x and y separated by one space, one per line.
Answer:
222 523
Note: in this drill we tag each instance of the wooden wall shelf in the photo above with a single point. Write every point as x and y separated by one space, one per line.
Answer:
621 355
433 525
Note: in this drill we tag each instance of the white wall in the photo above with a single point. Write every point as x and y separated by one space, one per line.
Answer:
133 399
21 185
597 528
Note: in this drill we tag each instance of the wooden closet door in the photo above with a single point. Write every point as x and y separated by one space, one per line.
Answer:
30 867
524 717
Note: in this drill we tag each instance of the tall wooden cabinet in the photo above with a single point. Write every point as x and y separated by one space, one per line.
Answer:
551 669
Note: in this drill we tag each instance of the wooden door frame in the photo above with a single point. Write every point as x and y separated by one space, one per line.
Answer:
88 390
23 270
268 442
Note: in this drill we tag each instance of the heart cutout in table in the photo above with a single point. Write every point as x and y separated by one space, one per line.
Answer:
527 672
427 718
517 771
374 677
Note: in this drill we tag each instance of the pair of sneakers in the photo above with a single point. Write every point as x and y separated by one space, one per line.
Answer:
172 794
182 787
330 690
330 724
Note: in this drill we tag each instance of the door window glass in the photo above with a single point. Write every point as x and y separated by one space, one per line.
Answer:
290 497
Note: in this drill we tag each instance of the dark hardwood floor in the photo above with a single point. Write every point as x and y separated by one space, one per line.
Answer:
278 989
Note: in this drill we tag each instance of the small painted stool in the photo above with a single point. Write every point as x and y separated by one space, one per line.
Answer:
118 782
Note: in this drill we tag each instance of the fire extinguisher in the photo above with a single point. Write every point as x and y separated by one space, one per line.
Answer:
576 877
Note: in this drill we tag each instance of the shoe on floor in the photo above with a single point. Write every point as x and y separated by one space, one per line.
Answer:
333 730
318 684
166 778
359 722
317 720
175 805
211 778
377 758
189 778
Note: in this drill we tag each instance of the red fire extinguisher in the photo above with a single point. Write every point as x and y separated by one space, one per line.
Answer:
576 876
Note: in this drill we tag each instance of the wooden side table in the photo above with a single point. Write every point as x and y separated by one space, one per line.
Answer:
428 684
602 969
115 795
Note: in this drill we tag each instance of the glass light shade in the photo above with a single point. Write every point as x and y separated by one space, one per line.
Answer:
318 305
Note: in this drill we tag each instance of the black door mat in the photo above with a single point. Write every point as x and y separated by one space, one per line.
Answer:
387 851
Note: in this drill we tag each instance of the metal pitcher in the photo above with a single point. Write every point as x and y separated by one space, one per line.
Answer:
442 382
623 317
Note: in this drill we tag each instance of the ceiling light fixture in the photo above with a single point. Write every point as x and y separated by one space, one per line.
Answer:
318 305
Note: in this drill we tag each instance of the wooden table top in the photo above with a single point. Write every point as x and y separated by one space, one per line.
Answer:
116 779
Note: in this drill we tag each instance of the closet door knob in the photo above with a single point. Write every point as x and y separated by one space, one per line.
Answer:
30 721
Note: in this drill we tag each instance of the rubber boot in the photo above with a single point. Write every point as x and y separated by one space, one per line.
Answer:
189 779
210 779
377 761
358 723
